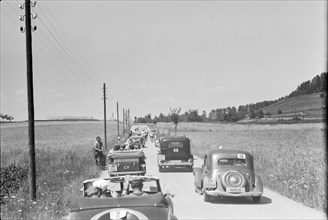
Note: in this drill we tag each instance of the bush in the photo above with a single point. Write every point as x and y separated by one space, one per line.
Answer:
12 177
279 111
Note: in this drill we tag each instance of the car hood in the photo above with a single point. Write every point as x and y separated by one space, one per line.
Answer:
151 206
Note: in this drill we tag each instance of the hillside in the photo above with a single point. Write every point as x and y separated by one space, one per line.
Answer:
305 106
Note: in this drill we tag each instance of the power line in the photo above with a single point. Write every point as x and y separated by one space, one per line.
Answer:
59 59
70 42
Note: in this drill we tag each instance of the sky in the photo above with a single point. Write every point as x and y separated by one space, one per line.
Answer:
157 55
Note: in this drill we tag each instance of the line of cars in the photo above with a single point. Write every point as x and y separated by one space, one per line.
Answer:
224 173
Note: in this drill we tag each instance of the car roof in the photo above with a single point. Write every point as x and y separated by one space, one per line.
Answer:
226 152
126 154
175 138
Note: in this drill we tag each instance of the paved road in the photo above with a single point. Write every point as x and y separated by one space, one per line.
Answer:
189 205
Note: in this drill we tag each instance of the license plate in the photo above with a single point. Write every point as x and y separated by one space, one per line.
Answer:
175 161
112 168
235 189
175 150
117 214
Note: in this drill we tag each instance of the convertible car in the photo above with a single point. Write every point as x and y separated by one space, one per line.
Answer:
138 142
110 204
228 173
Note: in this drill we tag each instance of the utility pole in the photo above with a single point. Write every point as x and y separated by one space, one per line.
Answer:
123 121
118 121
128 117
105 130
30 99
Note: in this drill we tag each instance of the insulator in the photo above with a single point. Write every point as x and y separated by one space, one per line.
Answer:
33 3
21 17
22 29
21 5
34 16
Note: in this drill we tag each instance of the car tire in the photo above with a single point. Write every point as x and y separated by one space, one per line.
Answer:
207 198
160 169
256 199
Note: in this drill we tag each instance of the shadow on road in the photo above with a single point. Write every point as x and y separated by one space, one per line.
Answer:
240 201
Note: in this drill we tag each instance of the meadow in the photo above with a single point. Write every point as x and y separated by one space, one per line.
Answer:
291 158
64 159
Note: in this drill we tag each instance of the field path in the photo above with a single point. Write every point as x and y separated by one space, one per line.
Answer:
189 205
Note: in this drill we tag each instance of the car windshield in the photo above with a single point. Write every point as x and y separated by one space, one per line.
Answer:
175 144
232 162
149 186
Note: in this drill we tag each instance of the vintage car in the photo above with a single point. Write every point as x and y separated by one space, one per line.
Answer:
161 133
137 141
174 154
228 173
126 162
109 203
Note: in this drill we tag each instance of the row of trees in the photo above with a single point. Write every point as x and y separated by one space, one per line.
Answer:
317 84
230 114
6 117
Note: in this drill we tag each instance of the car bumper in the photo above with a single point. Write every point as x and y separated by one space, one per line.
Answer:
127 173
226 194
175 163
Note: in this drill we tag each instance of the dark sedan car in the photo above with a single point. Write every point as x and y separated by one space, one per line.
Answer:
132 162
154 205
228 173
174 154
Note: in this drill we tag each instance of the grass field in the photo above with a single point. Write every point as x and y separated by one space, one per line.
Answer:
310 105
64 158
291 158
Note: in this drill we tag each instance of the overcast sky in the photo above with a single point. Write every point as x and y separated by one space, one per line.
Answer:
154 55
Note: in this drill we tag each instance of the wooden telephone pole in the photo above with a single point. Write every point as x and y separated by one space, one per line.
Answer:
123 121
105 127
30 99
118 120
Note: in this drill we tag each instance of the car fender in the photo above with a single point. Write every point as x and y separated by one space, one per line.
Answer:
258 184
198 172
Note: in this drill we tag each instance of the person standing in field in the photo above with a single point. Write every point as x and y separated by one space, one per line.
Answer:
97 150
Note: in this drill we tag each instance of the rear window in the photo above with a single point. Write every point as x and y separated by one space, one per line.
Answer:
175 144
232 162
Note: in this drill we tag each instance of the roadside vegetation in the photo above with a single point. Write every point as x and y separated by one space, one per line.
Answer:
291 158
64 159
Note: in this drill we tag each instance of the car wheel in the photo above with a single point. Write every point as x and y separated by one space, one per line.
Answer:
256 199
160 169
207 198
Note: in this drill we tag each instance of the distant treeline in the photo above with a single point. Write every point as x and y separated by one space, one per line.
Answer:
230 114
317 84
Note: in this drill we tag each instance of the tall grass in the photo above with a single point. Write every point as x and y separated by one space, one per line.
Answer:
290 158
64 158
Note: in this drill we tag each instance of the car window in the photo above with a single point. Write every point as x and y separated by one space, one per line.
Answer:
232 162
175 144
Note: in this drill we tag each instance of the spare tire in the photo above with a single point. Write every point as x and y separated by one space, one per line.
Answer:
233 179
